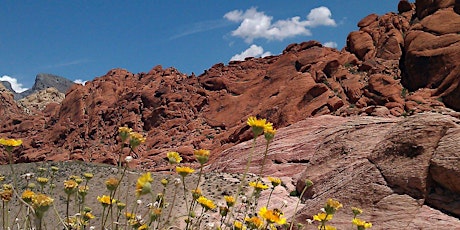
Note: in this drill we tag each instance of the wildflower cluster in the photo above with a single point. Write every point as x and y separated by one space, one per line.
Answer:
328 211
360 224
155 210
134 139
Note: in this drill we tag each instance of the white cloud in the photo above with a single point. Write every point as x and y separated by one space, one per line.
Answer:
252 51
17 87
255 24
80 81
199 27
330 44
65 64
320 16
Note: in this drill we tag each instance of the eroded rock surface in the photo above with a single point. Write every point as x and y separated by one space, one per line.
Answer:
391 167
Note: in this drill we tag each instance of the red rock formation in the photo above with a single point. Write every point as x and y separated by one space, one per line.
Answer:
179 112
432 52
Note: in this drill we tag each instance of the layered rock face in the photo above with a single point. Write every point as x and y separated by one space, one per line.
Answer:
401 171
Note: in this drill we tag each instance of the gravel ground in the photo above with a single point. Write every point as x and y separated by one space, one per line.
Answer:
214 186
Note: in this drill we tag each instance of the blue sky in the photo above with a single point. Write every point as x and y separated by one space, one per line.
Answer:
85 39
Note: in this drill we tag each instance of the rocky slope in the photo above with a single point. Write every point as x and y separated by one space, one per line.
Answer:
402 171
40 99
180 112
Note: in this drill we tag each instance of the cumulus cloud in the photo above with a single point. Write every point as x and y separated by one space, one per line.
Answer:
320 16
255 24
330 44
17 87
80 81
252 51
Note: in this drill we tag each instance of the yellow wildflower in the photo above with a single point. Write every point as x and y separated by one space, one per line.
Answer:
164 182
112 183
275 181
259 125
88 176
230 200
322 217
135 139
196 193
143 185
121 205
130 215
42 180
238 225
202 155
124 133
327 227
173 157
334 203
258 185
105 200
223 210
83 190
156 211
70 186
2 178
206 203
27 195
361 224
7 193
143 227
269 133
10 142
272 216
254 222
41 202
184 171
88 216
76 178
332 206
356 211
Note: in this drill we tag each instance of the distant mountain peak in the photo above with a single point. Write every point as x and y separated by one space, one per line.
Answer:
44 81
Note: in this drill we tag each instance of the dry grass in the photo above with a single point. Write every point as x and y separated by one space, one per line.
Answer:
213 185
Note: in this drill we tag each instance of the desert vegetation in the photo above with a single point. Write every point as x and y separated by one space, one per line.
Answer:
123 207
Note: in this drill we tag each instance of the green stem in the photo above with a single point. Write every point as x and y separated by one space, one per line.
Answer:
10 154
297 205
186 203
102 219
193 203
270 196
263 160
171 208
4 215
57 214
67 209
246 170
